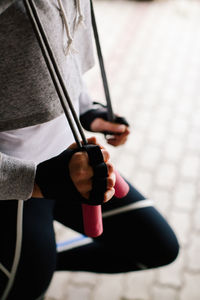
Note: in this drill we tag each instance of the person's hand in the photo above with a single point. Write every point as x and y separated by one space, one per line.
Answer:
70 173
81 172
120 131
96 120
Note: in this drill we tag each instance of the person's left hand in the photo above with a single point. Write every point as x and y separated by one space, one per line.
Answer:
120 131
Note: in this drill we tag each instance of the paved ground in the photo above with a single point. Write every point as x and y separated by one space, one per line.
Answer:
152 53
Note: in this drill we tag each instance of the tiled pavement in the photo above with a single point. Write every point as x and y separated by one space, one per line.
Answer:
152 53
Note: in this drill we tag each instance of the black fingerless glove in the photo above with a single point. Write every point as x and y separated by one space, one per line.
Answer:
53 178
101 112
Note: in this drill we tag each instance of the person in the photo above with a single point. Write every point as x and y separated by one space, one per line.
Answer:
40 170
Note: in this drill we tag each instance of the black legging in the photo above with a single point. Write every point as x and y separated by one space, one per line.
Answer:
132 240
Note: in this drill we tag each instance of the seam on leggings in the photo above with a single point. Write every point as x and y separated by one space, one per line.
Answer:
4 270
132 206
141 266
73 243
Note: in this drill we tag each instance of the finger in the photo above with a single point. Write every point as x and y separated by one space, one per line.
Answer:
110 168
86 195
111 181
122 135
126 132
85 187
73 146
109 194
114 127
91 140
101 125
112 142
115 142
84 174
120 138
106 155
79 167
94 141
79 160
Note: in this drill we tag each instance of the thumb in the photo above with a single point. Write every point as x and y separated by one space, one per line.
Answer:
102 125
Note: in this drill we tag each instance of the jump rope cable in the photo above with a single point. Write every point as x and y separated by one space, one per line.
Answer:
110 113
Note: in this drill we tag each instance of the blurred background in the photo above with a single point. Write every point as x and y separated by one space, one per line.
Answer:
152 56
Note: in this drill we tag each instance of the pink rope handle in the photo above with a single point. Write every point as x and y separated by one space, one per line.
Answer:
92 214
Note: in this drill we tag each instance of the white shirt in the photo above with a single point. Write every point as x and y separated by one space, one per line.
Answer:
39 142
43 141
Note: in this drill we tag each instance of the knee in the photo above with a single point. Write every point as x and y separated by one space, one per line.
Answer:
172 251
164 245
167 251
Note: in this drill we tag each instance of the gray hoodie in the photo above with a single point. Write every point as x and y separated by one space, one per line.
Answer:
27 95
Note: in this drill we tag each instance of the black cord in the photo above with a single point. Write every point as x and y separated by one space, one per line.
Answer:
111 116
55 72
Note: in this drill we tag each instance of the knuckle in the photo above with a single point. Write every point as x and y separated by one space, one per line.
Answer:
80 173
80 156
109 194
110 167
110 182
106 154
84 174
85 187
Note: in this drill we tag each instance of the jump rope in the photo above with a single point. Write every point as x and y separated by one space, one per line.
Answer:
92 218
92 214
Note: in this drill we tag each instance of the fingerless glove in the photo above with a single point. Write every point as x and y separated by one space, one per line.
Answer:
53 178
89 116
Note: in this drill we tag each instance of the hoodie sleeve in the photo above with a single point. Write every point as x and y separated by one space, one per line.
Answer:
16 178
85 101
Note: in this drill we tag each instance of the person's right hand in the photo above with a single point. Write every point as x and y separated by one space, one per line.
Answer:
81 172
70 173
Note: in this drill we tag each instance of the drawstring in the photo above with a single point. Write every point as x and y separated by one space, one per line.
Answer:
69 49
80 15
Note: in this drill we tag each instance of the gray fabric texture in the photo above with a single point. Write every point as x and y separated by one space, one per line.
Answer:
27 94
16 178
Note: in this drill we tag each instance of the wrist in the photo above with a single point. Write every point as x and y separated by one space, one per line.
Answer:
37 192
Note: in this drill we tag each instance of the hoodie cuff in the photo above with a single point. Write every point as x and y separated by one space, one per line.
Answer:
16 178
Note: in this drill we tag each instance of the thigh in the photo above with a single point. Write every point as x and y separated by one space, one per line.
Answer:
135 236
133 227
38 253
